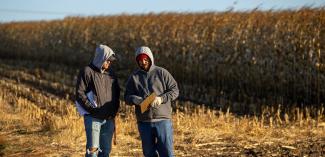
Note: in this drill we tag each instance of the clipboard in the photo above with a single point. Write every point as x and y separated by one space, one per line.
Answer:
146 102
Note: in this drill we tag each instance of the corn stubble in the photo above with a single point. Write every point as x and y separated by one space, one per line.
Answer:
198 130
261 73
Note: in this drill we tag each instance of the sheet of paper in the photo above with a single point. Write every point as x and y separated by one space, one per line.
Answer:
81 110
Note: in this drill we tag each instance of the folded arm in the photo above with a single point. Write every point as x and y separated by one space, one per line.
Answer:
130 94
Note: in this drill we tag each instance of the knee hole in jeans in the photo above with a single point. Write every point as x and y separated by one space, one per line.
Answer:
92 150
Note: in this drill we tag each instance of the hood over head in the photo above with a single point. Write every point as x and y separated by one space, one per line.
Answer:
145 50
102 54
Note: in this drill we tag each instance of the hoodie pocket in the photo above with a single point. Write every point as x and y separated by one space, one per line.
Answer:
163 111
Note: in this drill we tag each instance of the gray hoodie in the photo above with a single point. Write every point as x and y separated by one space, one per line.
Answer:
141 84
103 84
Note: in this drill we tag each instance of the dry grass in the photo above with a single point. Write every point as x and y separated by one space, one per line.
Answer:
271 57
268 64
36 117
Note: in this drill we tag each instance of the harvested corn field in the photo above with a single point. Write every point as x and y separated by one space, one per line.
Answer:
251 83
37 121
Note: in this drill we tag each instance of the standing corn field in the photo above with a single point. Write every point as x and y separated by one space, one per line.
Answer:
271 57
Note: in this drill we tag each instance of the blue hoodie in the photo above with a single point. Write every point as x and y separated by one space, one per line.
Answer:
142 83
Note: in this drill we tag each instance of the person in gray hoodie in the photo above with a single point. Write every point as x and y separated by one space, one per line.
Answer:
154 125
97 94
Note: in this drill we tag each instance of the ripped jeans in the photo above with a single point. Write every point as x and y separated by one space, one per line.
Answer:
99 135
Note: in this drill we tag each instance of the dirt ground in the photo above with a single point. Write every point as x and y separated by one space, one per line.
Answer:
20 139
21 136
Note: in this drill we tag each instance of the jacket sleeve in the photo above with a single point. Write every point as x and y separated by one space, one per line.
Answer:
117 91
130 95
81 87
172 91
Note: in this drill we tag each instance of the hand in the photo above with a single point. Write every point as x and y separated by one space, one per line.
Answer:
156 102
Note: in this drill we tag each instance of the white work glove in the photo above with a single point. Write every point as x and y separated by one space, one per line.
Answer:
158 100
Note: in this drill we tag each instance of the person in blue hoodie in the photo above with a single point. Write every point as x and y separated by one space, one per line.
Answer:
154 125
97 96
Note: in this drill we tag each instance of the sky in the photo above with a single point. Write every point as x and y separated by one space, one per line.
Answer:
36 10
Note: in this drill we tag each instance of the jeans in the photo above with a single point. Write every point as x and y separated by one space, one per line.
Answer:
156 137
99 135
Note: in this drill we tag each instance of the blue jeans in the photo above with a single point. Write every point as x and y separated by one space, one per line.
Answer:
99 135
156 137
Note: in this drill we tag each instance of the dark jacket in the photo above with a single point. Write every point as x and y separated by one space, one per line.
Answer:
103 84
141 84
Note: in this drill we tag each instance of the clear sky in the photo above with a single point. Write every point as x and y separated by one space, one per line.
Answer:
31 10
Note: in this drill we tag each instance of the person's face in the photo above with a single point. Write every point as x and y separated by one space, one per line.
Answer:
106 64
144 64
